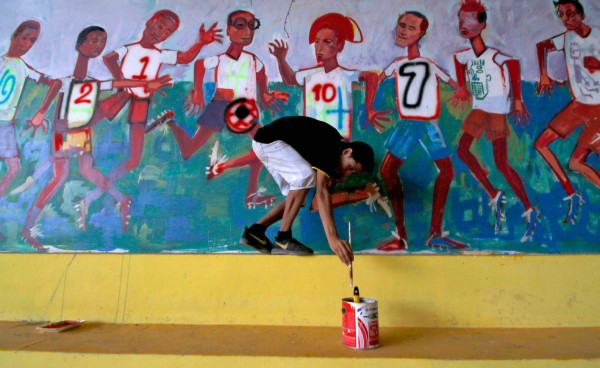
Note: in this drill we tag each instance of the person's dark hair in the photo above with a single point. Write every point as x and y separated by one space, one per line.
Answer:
577 4
362 153
33 24
424 20
234 13
86 31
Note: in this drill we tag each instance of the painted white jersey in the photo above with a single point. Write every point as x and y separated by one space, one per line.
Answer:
237 75
328 96
140 63
488 78
417 87
585 85
13 74
79 100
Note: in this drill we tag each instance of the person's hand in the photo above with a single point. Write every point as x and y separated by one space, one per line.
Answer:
211 35
279 49
343 250
274 101
163 81
37 122
461 97
379 120
520 114
194 103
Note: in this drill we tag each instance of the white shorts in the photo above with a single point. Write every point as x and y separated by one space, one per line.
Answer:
290 170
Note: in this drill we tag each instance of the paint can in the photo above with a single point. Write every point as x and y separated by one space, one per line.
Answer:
360 323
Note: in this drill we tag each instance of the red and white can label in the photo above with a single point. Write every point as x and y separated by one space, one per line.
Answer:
360 323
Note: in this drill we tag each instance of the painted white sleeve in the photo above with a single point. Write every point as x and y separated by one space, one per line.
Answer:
33 74
121 51
259 65
501 58
168 57
559 42
301 76
389 71
462 57
440 73
211 62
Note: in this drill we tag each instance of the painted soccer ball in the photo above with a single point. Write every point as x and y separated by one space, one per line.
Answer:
241 115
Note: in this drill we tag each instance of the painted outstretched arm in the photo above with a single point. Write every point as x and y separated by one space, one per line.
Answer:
205 37
152 85
194 102
37 121
339 246
519 111
377 119
279 49
461 95
545 84
272 100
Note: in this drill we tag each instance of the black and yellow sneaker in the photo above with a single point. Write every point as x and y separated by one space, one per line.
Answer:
256 241
290 246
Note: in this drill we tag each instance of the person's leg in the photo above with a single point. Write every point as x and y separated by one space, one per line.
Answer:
61 171
542 146
389 173
437 238
188 146
13 166
531 214
466 156
88 171
578 163
499 147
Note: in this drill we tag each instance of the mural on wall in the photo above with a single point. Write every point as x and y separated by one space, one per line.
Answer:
483 116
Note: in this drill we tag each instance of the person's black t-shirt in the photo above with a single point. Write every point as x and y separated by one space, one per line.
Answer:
317 142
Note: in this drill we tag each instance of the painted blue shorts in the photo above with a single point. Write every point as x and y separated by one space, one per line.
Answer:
213 115
8 139
407 134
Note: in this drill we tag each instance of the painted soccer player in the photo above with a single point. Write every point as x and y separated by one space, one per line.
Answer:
142 61
581 46
238 74
14 72
78 110
495 86
418 101
327 86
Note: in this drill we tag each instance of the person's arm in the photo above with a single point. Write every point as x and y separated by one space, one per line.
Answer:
279 49
544 86
271 100
37 121
461 95
111 60
205 37
374 117
153 85
194 103
339 246
519 111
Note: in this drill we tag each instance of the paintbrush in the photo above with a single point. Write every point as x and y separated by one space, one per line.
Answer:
350 242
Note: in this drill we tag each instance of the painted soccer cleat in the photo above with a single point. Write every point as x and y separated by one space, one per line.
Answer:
531 218
497 205
161 119
575 203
